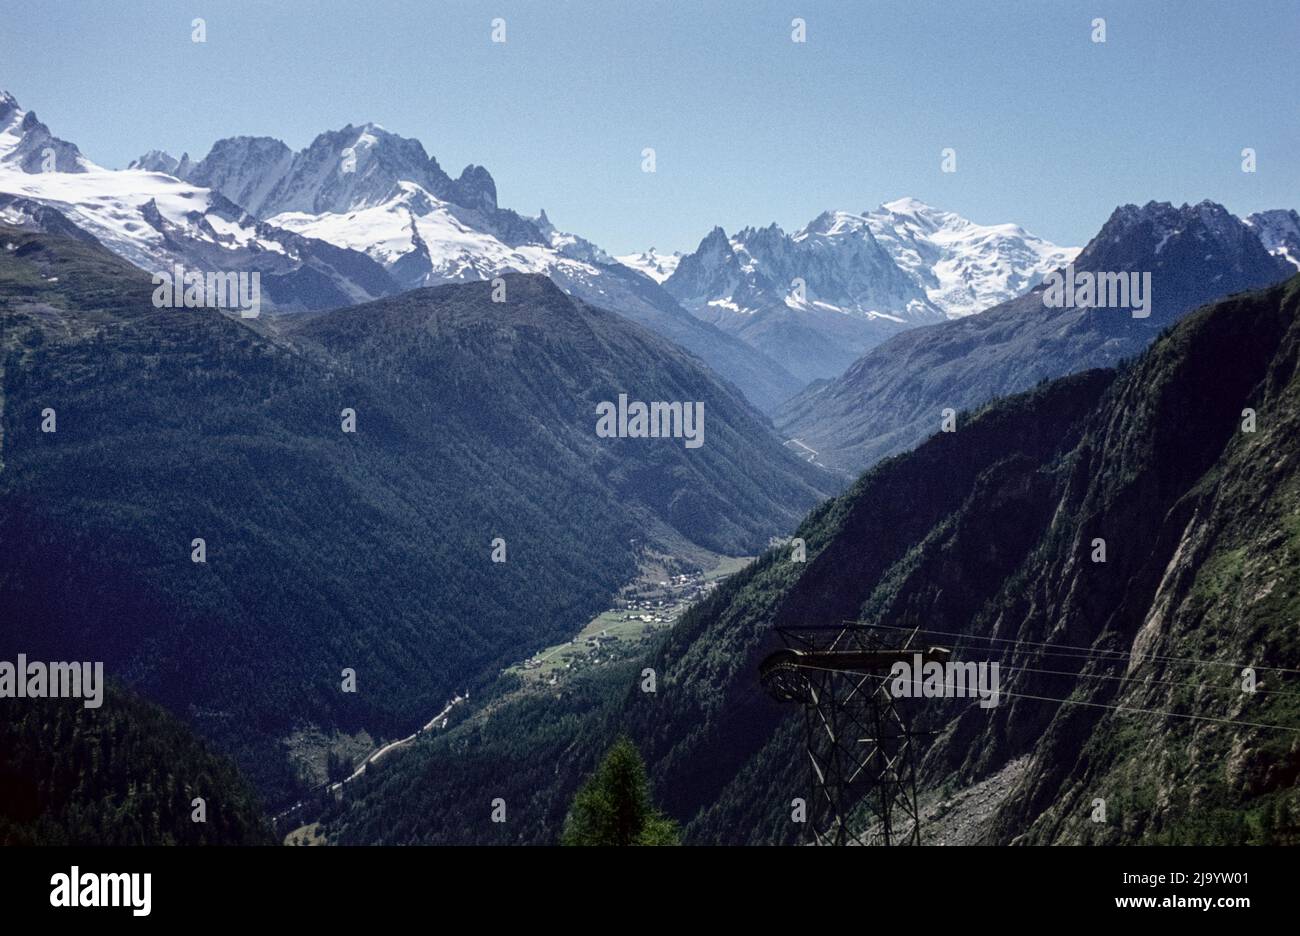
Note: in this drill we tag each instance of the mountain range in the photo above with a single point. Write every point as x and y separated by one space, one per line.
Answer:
895 395
817 299
362 213
367 190
157 221
358 214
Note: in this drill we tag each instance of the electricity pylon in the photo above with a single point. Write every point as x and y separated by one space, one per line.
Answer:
859 746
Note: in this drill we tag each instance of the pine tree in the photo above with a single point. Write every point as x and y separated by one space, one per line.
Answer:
614 807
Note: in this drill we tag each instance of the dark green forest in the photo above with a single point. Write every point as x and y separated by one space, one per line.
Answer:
126 773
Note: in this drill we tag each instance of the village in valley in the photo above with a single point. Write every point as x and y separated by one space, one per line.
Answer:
651 604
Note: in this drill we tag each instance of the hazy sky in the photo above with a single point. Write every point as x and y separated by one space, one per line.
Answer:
1050 129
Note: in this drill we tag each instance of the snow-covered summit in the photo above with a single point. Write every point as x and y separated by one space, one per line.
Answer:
156 220
1279 232
905 259
963 267
27 145
162 161
653 264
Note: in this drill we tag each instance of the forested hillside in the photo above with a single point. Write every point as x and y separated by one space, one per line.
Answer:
1122 676
326 550
126 773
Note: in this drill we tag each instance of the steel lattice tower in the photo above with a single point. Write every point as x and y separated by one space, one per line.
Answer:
860 749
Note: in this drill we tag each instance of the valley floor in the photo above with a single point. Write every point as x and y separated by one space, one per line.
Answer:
646 606
651 603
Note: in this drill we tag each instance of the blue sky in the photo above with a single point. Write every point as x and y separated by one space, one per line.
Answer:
1051 130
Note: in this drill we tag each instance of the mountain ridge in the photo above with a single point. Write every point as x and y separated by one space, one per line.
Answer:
819 298
432 230
894 395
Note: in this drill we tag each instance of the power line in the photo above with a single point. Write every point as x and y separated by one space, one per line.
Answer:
1137 681
1088 651
1148 682
1116 708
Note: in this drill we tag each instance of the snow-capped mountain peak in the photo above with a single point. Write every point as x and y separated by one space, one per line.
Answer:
653 264
341 170
833 224
155 219
27 145
1158 236
963 267
909 205
1279 231
834 262
164 162
919 213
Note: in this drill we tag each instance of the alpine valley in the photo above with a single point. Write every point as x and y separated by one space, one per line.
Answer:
475 505
1119 677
